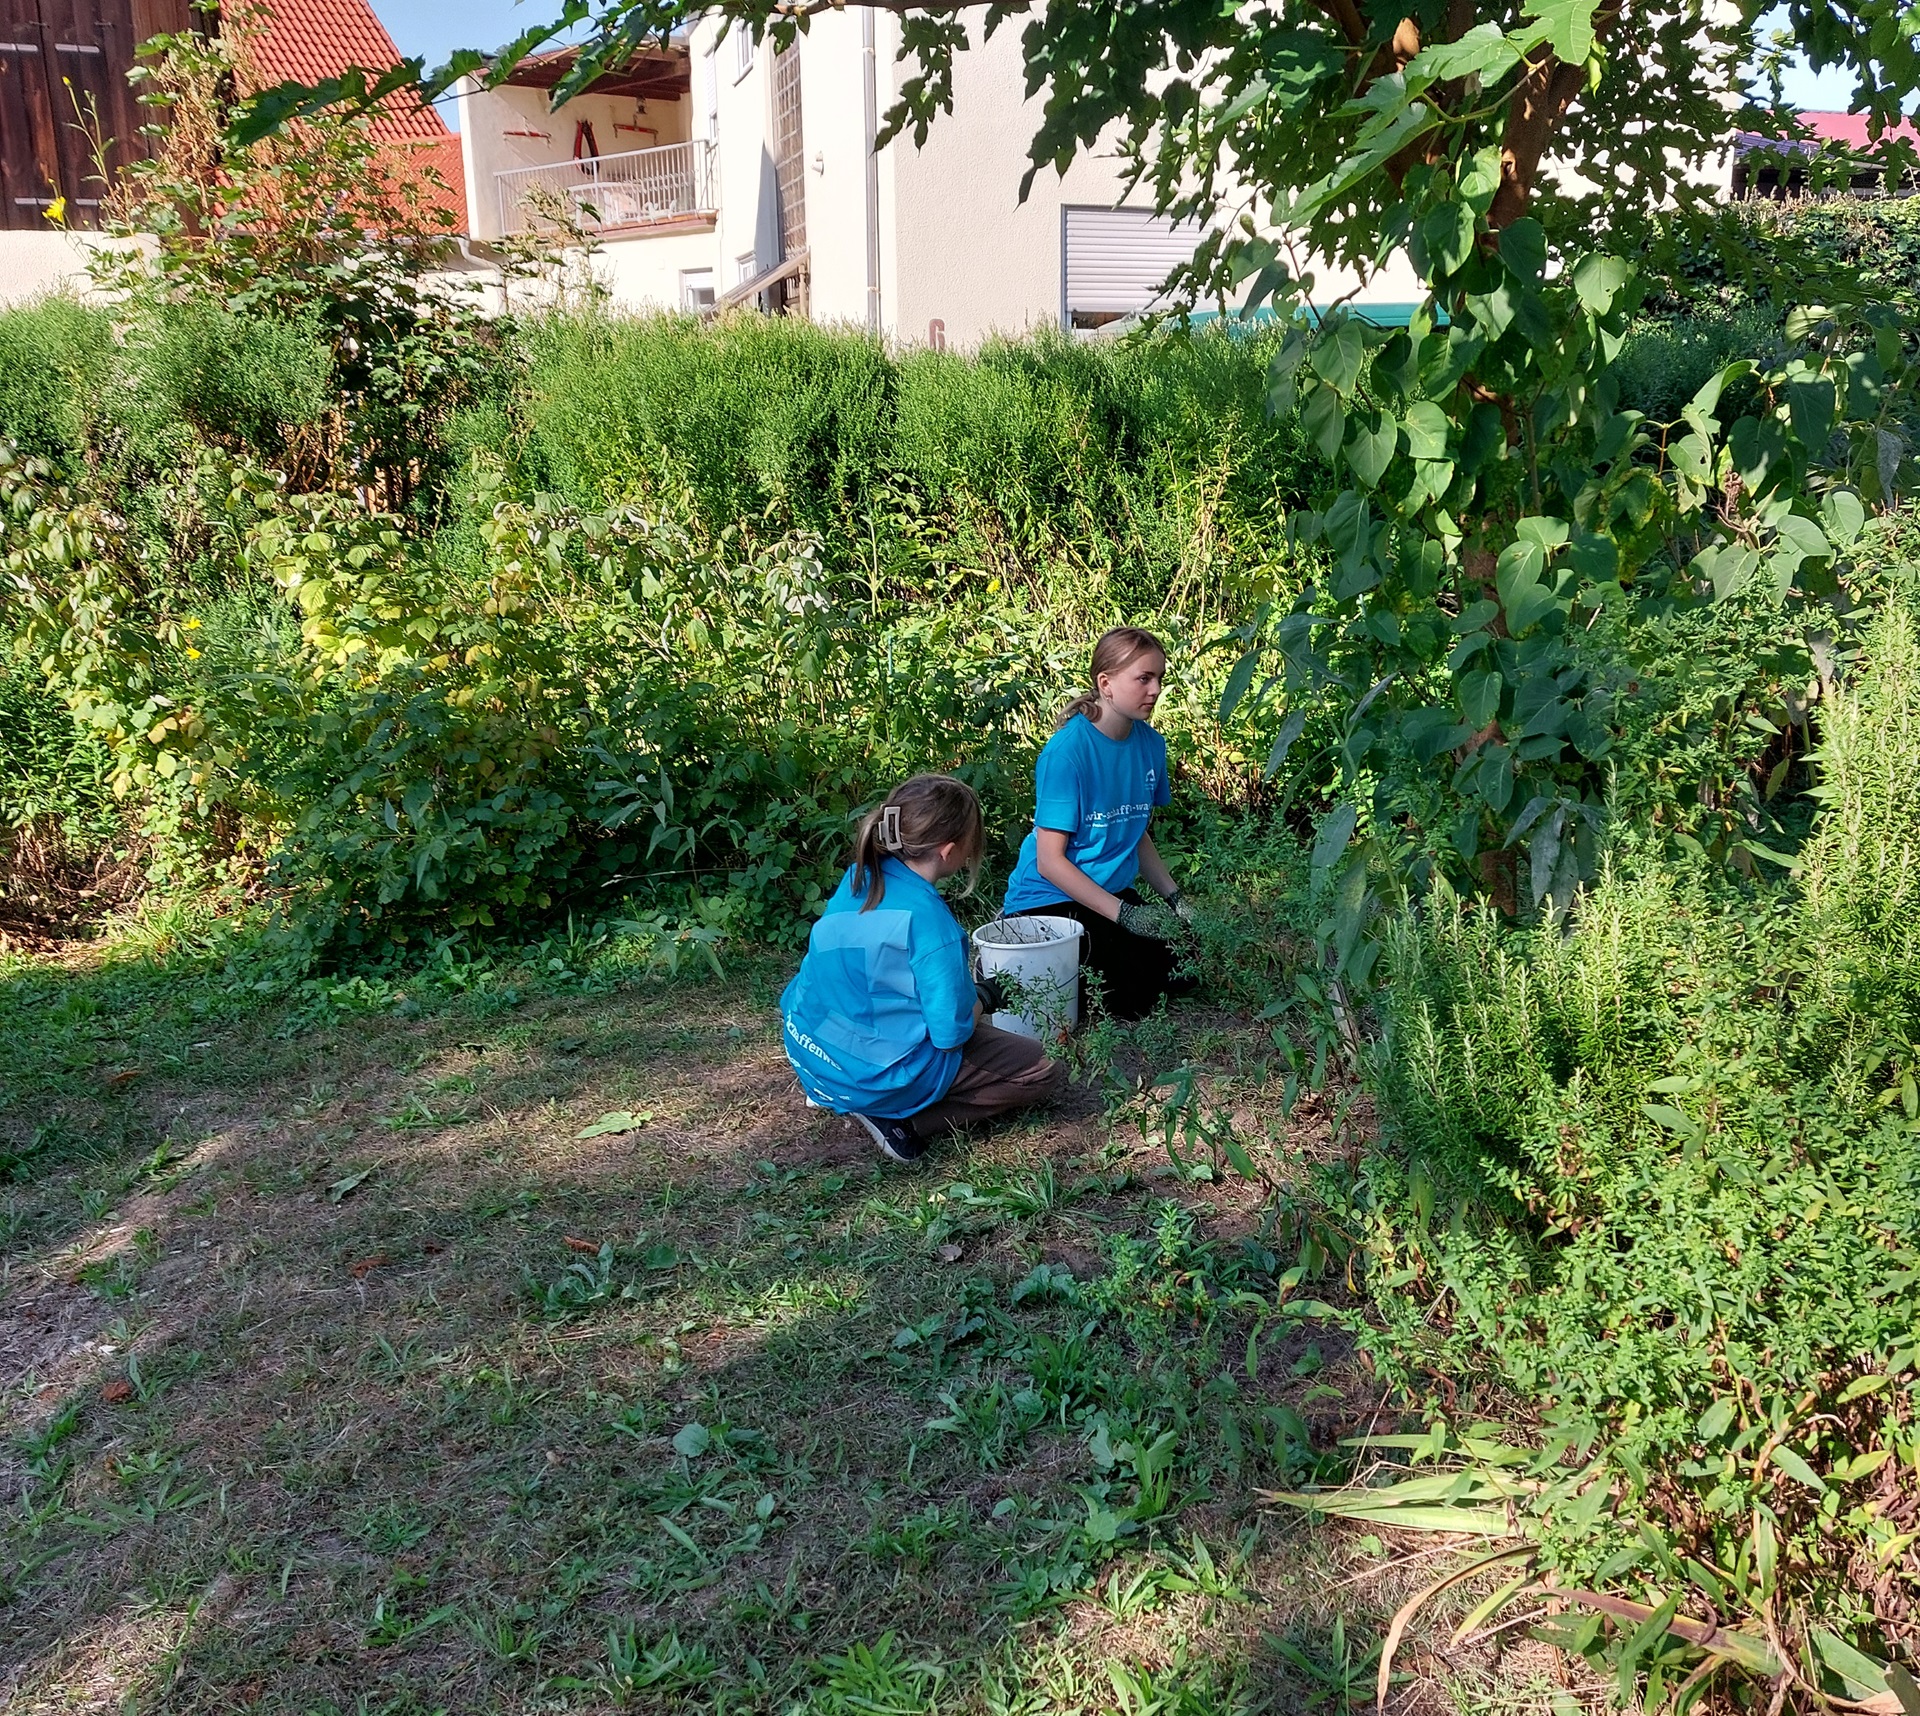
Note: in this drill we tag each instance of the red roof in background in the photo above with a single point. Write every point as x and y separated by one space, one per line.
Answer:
1851 129
304 41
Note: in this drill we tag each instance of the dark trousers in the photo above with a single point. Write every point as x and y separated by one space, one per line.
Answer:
999 1072
1133 971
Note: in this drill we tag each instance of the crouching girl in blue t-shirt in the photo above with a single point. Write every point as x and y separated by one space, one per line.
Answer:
883 1021
1096 784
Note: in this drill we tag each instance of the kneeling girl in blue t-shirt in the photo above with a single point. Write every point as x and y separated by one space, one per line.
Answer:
1096 784
883 1022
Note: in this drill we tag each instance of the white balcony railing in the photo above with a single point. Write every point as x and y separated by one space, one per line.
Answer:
640 187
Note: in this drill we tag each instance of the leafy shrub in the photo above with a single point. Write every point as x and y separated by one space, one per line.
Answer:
55 772
1135 463
55 356
1870 245
1667 360
247 383
1682 1143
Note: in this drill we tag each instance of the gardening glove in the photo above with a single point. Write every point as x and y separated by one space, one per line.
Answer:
1177 904
987 991
1155 921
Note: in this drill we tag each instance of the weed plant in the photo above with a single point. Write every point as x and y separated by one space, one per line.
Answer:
1660 1182
1152 469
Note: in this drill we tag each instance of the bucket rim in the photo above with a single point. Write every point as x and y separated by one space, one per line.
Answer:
1064 929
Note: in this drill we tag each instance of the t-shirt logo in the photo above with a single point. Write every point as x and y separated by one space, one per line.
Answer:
1152 776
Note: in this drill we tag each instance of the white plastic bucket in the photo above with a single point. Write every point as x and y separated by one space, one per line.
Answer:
1040 959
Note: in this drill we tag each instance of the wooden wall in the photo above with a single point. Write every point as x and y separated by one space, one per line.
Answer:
63 82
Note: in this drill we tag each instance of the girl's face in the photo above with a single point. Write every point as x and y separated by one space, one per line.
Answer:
1135 689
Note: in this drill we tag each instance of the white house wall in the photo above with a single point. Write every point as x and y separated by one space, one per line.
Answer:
749 205
968 253
833 125
644 272
961 257
52 263
511 127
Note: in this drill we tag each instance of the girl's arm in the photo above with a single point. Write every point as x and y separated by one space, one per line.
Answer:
1154 868
945 982
1051 860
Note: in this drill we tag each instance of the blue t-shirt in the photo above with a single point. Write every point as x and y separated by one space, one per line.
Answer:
875 1017
1100 793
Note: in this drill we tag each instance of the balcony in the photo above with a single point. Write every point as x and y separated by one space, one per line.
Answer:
627 192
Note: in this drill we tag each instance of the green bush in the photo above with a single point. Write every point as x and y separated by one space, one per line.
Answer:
1135 463
55 773
1666 361
247 383
56 357
1681 1142
754 418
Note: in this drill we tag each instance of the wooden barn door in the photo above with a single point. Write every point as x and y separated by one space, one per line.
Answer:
64 94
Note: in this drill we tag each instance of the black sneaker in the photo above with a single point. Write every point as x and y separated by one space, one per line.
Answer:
897 1140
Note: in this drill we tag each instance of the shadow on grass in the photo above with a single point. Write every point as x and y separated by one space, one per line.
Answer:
412 1399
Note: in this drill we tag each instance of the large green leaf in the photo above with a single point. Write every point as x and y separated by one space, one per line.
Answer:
1335 832
1338 355
1426 428
1370 449
1598 279
1523 248
1324 421
1445 240
1485 52
1569 26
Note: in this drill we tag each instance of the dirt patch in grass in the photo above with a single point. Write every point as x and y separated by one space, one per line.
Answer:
353 1378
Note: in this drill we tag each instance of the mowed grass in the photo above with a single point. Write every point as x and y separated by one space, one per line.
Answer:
341 1373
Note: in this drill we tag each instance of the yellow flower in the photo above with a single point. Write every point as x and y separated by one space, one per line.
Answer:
57 211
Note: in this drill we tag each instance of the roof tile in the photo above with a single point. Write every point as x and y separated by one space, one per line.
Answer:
305 41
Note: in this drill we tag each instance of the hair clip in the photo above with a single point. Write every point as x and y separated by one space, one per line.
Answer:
890 828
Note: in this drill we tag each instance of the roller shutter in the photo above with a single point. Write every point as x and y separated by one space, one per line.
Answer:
1115 261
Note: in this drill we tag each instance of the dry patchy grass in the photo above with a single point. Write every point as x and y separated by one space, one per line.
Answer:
342 1374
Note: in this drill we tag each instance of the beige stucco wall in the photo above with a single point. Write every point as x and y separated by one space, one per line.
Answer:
35 264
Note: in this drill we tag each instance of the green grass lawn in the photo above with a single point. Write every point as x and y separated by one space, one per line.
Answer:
341 1373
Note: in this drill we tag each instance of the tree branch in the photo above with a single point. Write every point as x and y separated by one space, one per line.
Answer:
1539 104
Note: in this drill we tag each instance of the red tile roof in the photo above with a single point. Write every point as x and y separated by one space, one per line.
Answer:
305 41
1851 129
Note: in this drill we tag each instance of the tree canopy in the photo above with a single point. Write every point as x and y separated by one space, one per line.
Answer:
1493 518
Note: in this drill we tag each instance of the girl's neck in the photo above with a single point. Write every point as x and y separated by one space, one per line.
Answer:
1112 723
927 869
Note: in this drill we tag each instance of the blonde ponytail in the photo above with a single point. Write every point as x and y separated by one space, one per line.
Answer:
914 821
1087 704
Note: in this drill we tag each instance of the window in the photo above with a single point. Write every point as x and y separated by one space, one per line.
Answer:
743 47
1113 263
745 268
696 289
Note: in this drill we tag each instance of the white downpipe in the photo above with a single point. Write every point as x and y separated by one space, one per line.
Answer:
870 70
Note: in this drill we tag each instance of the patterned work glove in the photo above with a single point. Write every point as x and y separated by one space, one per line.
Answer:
1154 921
1177 904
